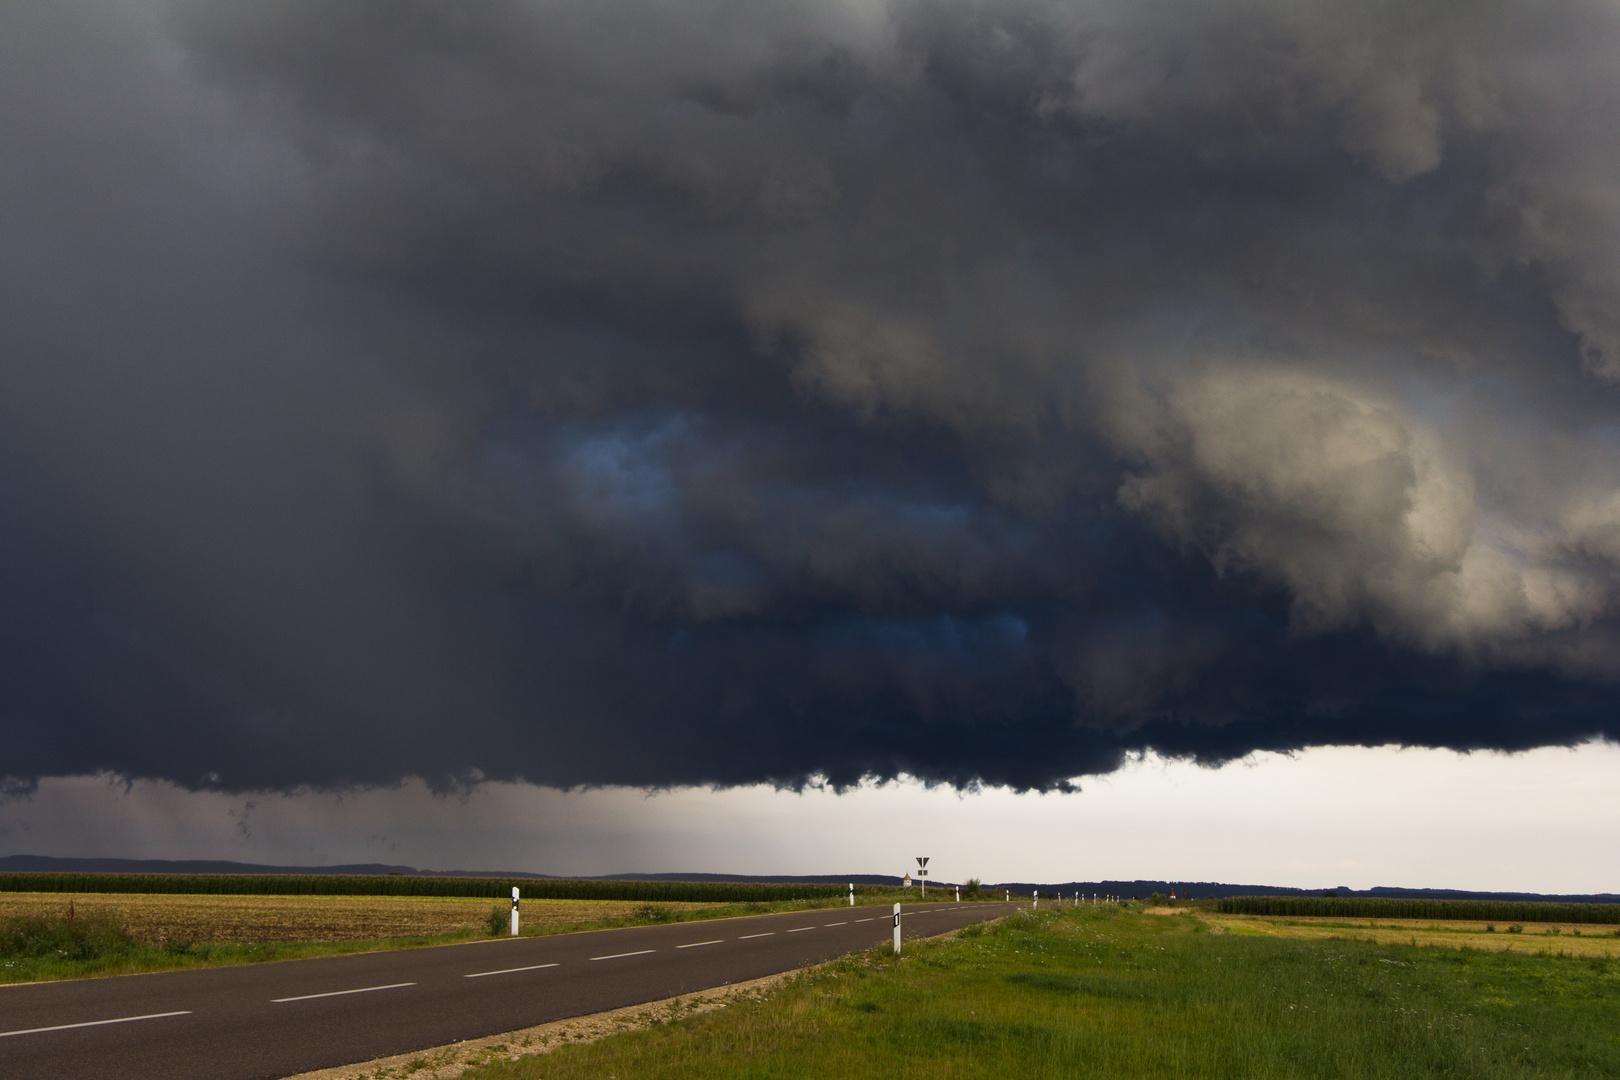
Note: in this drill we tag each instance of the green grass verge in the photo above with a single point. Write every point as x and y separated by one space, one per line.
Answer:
1107 993
36 949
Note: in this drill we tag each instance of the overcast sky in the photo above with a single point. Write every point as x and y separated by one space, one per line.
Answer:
696 393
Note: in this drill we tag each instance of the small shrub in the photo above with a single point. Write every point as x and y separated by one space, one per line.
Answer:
652 913
499 920
1515 929
1490 928
970 888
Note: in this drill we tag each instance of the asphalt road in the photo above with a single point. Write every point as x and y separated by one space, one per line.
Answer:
278 1019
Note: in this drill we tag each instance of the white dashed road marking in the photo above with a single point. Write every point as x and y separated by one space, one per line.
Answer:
95 1023
340 993
507 971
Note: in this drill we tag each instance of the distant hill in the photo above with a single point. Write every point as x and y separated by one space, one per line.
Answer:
857 879
1204 889
1128 889
45 864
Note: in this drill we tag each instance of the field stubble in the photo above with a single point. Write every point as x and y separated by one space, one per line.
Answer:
232 920
1568 939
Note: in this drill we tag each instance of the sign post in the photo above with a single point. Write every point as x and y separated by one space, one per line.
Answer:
514 910
922 874
897 929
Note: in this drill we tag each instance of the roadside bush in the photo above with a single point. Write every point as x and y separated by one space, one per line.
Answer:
970 888
63 937
652 913
499 920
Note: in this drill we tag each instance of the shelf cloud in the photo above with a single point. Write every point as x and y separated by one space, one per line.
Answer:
702 393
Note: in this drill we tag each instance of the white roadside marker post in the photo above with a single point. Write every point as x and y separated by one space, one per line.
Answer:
1009 896
897 929
959 894
514 910
1037 898
852 894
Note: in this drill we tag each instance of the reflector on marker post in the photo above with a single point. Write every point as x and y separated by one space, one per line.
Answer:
897 929
514 911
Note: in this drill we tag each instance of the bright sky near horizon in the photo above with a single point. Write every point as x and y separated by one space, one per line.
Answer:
1546 820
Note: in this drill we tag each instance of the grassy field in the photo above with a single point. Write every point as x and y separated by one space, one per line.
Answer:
63 936
1103 992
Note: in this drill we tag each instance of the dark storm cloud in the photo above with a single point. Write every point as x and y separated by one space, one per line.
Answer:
664 393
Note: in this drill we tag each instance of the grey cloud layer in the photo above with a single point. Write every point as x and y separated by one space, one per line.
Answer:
649 394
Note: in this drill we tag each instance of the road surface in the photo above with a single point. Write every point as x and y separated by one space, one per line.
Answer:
278 1019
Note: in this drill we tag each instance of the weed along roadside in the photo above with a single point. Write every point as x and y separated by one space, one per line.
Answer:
1112 991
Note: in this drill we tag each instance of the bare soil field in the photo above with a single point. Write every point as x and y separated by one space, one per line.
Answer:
1571 939
264 919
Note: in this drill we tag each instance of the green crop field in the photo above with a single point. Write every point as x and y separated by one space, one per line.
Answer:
700 892
1383 907
1100 992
